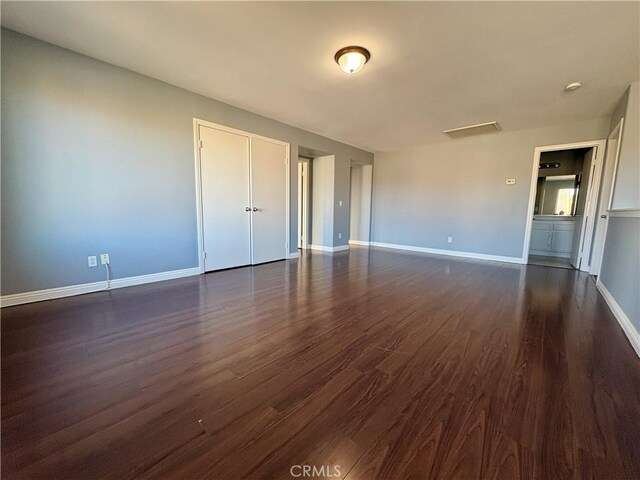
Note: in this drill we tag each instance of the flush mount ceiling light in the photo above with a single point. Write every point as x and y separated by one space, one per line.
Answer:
572 86
352 59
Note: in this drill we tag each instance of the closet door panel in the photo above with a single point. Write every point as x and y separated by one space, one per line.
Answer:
269 200
225 196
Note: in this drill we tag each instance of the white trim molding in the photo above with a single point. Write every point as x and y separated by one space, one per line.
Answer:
322 248
69 291
624 212
359 242
450 253
593 189
624 321
197 123
293 255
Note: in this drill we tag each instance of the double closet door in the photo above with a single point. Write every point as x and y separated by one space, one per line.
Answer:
244 198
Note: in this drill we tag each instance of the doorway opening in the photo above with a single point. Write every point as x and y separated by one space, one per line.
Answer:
563 202
361 183
315 199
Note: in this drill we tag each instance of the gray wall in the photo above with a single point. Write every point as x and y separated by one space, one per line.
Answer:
620 271
457 188
570 162
96 158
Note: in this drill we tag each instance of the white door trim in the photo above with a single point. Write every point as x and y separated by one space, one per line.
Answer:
197 123
605 204
592 192
305 202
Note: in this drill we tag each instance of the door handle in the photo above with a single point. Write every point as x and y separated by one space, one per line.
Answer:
255 209
247 209
603 216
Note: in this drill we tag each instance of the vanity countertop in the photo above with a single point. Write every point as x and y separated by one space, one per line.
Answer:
555 218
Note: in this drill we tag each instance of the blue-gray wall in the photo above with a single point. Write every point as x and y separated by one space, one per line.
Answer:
620 272
457 188
96 158
626 192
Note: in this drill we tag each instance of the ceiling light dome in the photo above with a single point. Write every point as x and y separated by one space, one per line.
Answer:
352 59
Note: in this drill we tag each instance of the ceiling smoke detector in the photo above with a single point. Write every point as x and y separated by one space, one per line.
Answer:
479 129
572 86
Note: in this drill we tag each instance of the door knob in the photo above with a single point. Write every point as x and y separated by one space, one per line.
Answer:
247 209
603 216
255 209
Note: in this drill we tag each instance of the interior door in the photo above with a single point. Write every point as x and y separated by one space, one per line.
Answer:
269 200
226 219
581 244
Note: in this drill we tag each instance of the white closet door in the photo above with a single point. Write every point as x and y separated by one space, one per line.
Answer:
269 201
225 199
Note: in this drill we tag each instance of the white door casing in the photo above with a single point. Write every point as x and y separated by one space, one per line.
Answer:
606 196
300 205
229 186
594 187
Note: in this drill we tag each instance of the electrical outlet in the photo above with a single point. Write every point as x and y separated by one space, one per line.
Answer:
339 235
104 258
450 239
510 181
92 261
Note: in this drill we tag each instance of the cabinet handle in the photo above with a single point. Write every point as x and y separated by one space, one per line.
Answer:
255 209
247 209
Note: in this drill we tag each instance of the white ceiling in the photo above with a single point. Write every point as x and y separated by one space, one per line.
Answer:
434 66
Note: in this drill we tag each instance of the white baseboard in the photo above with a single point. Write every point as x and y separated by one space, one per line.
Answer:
359 242
293 255
451 253
628 328
60 292
322 248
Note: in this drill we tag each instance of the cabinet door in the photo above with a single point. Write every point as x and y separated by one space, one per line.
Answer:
269 200
226 223
562 241
540 240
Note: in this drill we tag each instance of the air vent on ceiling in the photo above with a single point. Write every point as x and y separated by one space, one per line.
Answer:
479 129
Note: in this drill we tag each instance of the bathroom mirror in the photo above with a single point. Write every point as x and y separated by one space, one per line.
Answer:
556 195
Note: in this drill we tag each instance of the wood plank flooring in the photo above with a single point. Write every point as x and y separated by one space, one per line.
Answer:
383 364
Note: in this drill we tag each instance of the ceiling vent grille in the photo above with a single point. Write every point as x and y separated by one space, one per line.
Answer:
479 129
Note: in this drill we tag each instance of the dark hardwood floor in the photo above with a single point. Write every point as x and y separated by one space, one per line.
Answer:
384 364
